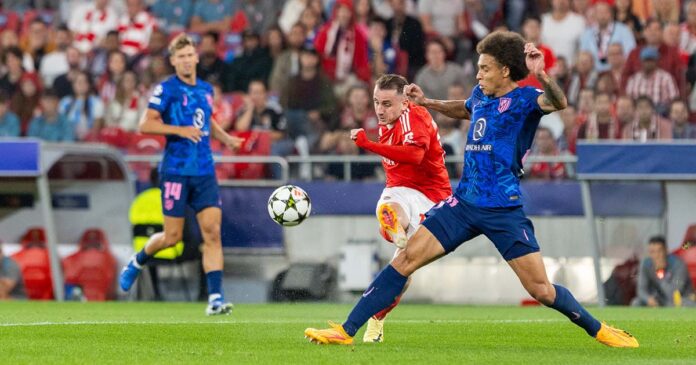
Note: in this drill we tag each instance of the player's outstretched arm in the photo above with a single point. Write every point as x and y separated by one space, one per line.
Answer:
553 98
218 133
455 109
151 123
410 154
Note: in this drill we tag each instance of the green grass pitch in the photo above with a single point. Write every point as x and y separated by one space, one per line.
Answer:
178 333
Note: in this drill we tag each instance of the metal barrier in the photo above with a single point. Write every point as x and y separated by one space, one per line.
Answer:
347 161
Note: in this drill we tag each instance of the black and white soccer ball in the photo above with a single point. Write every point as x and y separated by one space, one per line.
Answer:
289 205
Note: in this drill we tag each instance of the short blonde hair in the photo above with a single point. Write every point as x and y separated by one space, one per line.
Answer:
179 42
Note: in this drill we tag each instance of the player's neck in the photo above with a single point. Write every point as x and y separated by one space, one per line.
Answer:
505 89
190 80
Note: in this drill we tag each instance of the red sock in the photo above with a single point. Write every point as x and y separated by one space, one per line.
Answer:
383 313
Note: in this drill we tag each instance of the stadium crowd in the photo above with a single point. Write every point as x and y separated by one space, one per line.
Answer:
295 76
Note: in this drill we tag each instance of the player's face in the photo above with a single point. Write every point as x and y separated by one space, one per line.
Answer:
184 61
491 75
388 105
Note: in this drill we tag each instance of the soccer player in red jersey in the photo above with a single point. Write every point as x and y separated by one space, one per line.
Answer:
413 161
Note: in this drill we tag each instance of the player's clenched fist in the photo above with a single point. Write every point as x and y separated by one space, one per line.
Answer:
193 134
359 136
234 143
414 92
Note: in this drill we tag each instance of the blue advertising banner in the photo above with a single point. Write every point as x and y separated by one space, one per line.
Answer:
641 161
19 158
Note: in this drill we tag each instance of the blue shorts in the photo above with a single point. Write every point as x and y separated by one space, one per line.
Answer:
198 192
454 222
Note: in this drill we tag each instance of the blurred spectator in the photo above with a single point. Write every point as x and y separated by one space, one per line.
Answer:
35 44
406 34
623 13
561 29
223 113
516 11
661 275
254 63
545 145
561 72
439 18
666 11
210 67
258 15
584 8
127 105
453 131
157 46
600 124
687 39
308 99
290 15
382 55
159 69
363 15
647 124
12 62
55 63
597 38
100 54
585 101
531 30
287 64
274 41
358 112
625 112
679 116
668 58
62 84
652 81
583 76
106 88
83 108
385 8
312 23
50 125
567 140
260 113
90 22
9 121
616 59
135 28
438 74
342 48
172 15
670 37
19 6
212 16
607 84
9 39
25 102
11 281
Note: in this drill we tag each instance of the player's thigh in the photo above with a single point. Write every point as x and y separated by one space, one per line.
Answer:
531 271
204 193
173 229
450 222
410 204
422 249
209 220
175 191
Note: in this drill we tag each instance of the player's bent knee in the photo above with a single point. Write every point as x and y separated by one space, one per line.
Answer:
171 238
543 293
405 263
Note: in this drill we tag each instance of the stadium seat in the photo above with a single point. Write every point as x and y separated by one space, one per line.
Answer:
33 260
688 252
92 267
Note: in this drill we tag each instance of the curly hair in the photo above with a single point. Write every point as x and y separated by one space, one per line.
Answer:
508 50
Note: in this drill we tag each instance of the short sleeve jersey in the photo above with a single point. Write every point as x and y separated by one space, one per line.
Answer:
502 129
183 105
416 127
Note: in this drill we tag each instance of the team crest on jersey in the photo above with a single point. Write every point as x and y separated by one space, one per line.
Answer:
168 204
479 129
504 104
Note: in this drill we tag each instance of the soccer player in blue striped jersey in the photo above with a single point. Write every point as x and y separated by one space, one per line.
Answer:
180 108
488 200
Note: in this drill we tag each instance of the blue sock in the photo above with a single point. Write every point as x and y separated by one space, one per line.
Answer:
141 257
568 305
214 280
380 294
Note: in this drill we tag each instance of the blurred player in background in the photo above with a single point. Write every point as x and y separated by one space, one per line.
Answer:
414 162
488 199
180 108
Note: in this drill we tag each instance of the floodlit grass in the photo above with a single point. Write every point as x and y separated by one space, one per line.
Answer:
178 333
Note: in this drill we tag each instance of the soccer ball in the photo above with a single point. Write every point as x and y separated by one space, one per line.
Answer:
289 205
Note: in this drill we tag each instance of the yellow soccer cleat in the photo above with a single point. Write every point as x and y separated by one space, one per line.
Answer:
374 331
389 223
334 335
614 337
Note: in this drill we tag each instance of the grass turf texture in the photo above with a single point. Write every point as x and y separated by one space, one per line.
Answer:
173 333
